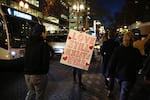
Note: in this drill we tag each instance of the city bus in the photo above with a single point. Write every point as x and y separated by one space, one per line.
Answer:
15 27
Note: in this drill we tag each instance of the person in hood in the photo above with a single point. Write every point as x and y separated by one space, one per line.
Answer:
36 64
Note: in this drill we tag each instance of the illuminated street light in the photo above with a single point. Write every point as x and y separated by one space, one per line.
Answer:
75 7
81 7
78 8
21 4
24 6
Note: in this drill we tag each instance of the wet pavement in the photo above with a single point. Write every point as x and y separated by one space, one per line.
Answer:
61 87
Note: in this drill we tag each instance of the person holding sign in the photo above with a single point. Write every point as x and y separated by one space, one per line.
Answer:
79 72
78 52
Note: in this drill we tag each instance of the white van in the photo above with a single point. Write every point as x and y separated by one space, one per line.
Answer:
57 42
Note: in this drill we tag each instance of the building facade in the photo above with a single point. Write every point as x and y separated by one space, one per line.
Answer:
78 18
53 22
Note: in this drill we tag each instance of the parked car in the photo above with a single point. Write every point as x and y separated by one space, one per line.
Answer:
57 42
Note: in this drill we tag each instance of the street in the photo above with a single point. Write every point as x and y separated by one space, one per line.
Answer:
61 86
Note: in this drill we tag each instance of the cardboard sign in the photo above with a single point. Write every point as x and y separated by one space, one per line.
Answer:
78 50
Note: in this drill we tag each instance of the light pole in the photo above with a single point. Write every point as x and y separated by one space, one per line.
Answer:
24 6
78 8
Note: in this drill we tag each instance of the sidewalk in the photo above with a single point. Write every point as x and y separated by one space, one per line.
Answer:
66 90
61 86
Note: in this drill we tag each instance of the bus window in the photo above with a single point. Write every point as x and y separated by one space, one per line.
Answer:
19 30
3 38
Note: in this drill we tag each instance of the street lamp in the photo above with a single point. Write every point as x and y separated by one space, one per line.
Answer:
78 8
24 6
21 3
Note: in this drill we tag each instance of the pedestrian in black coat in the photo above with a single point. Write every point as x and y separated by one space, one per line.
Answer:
36 64
124 65
146 70
106 51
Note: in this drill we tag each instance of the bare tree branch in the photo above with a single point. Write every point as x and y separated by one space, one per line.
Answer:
48 5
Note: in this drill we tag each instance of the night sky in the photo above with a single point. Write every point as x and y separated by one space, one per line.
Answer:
106 9
112 5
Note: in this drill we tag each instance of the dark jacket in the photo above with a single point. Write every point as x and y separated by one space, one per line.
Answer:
124 63
146 67
106 51
36 59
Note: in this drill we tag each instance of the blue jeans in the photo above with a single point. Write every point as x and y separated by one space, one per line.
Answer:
125 88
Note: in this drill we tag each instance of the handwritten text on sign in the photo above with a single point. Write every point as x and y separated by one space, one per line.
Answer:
78 50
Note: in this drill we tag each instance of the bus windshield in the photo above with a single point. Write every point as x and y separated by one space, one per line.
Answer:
19 30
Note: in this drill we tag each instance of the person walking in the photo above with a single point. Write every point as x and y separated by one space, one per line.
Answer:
146 63
36 64
124 65
106 51
141 45
146 70
78 72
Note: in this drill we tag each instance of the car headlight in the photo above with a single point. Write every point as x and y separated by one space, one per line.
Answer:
13 53
97 47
